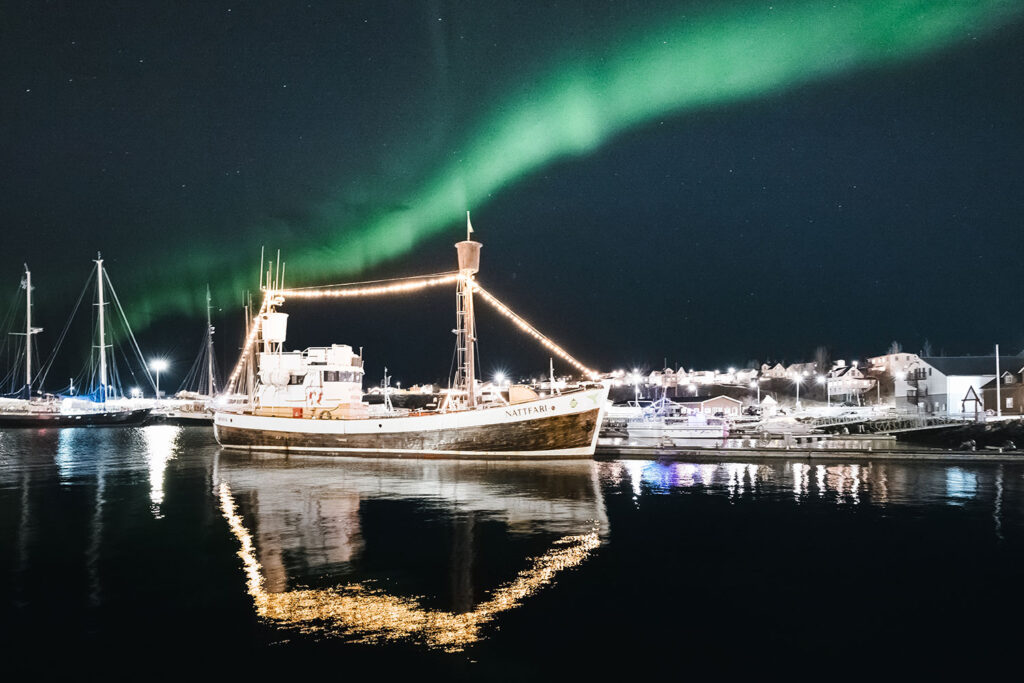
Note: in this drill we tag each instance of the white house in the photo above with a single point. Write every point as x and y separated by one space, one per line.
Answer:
893 363
947 385
847 382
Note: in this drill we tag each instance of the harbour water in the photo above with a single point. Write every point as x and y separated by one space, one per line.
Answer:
152 538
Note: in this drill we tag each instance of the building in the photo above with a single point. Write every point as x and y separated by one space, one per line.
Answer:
746 375
802 369
777 371
948 385
730 407
1011 390
892 363
665 378
847 382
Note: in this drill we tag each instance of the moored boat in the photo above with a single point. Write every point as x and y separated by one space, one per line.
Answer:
103 406
664 420
312 400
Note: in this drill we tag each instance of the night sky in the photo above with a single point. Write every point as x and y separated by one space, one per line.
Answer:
707 182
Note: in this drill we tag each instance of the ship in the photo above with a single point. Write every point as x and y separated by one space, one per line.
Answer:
665 420
102 406
311 400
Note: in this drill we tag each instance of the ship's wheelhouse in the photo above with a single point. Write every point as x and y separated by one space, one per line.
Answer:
321 376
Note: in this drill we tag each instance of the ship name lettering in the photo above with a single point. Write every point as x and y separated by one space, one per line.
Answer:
528 410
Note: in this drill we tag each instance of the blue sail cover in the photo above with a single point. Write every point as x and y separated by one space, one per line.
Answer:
96 395
24 393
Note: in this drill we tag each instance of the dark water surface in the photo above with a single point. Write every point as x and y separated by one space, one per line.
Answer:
154 540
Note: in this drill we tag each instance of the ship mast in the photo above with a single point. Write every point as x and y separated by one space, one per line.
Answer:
209 346
29 330
103 334
469 264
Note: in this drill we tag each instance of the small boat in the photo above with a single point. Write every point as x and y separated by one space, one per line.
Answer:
311 400
665 420
103 406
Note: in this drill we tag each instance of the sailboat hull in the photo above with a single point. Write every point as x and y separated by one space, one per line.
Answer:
43 420
563 426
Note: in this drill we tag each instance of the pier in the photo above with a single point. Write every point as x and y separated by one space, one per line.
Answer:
636 452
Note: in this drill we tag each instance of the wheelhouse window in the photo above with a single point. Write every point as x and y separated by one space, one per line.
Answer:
296 379
339 376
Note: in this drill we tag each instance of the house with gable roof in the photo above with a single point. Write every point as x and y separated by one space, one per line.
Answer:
948 385
1009 400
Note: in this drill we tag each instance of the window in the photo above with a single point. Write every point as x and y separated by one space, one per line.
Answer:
1009 379
296 379
1009 401
339 376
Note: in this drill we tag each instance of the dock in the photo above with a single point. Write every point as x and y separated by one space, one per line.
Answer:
632 452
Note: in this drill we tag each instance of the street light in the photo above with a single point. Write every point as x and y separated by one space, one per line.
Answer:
798 379
828 394
158 366
757 385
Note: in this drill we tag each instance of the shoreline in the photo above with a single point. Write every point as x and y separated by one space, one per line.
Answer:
726 454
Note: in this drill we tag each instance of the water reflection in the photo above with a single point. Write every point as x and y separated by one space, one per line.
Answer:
303 521
160 448
879 483
96 525
960 485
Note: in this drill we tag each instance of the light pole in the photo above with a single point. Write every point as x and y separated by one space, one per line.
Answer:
158 366
798 379
828 394
757 385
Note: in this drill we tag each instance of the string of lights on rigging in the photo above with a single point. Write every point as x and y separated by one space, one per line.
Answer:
402 286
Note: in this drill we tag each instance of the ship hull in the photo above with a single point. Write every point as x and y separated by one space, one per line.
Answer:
563 426
120 418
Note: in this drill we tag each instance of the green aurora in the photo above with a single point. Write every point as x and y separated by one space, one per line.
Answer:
749 50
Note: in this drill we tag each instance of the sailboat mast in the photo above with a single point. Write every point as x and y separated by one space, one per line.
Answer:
469 264
209 346
28 328
103 332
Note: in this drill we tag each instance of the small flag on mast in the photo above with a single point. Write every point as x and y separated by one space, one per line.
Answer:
469 226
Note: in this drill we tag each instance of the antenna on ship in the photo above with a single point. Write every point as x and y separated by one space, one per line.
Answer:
465 329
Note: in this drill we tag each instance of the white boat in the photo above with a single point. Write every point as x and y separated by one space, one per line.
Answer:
311 400
664 420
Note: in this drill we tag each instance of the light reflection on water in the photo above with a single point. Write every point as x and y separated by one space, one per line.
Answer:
312 507
878 483
160 443
431 552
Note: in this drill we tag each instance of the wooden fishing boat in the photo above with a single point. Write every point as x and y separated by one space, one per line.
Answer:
311 400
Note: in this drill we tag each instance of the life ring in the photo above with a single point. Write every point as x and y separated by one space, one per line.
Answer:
314 395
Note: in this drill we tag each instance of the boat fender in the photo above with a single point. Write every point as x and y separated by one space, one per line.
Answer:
325 415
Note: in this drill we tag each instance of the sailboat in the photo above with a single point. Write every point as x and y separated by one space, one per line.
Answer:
101 406
19 398
311 400
193 403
